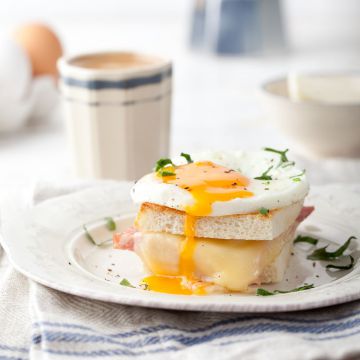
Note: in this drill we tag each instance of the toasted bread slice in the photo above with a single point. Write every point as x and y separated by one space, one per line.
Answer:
157 218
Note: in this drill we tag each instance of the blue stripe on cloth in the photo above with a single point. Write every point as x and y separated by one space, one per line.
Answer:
108 352
112 352
118 84
13 348
336 337
182 340
156 328
3 357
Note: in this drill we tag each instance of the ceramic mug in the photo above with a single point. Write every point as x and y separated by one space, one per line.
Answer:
117 112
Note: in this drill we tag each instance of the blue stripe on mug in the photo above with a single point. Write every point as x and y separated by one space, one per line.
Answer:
118 84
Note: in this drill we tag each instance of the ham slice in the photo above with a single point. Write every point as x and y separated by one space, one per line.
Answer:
126 239
304 213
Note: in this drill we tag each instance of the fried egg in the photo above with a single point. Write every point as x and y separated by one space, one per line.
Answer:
225 183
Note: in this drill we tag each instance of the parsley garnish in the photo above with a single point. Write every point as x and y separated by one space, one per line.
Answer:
306 239
289 163
87 234
126 282
342 267
264 211
264 175
322 254
164 172
298 175
144 286
282 154
187 157
296 179
264 292
110 223
160 164
162 168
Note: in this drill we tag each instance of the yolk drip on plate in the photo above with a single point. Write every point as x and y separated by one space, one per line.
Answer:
207 182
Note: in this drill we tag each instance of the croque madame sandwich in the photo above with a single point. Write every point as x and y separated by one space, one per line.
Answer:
217 222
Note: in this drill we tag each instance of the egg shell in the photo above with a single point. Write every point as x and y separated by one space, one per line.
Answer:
42 46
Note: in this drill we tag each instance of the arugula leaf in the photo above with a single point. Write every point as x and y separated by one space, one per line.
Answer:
162 163
187 157
126 282
264 175
264 211
282 154
87 234
323 254
110 223
342 267
264 292
306 239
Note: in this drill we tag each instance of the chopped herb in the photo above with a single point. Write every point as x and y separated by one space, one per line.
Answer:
342 267
144 286
298 175
288 163
264 292
87 234
110 223
322 254
282 154
306 239
126 282
162 163
166 173
296 180
264 211
187 157
264 175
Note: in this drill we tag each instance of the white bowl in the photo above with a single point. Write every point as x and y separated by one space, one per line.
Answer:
314 127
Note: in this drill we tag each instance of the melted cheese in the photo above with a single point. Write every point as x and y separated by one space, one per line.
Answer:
231 264
207 182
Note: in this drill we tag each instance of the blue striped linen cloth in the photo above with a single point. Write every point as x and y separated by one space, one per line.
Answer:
37 322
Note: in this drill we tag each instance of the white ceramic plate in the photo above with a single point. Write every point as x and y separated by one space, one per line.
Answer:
47 243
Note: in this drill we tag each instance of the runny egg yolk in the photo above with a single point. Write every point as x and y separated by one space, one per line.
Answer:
207 182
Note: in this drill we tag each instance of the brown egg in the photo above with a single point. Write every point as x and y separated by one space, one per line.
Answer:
42 46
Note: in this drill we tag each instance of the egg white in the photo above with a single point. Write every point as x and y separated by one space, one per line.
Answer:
277 193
